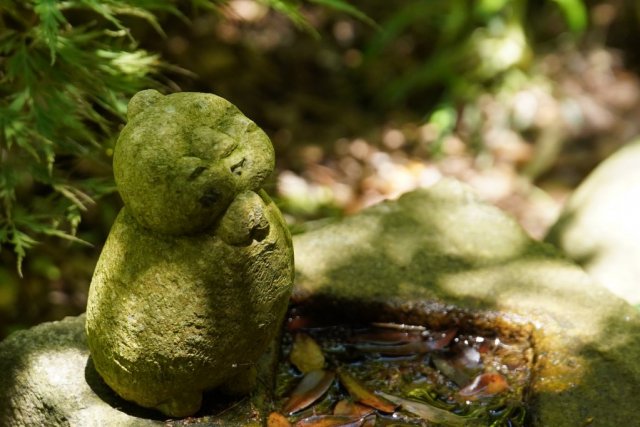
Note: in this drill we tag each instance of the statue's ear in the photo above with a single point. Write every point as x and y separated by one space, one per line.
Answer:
141 101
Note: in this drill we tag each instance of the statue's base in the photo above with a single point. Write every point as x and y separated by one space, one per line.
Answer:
48 379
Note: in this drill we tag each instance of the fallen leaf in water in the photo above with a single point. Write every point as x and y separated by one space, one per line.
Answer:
445 339
409 348
311 388
462 367
451 371
347 407
386 336
399 326
306 354
277 420
361 394
330 421
426 412
298 321
484 347
396 350
484 385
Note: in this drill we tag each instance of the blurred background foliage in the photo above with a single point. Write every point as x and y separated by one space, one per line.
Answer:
364 100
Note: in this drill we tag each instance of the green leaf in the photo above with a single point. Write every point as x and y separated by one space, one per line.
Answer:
454 23
402 19
291 9
343 6
8 41
444 118
575 13
427 412
50 20
19 66
19 101
21 243
137 63
66 236
486 8
77 197
103 9
211 5
147 15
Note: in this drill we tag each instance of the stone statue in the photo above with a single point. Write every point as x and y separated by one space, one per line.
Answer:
194 278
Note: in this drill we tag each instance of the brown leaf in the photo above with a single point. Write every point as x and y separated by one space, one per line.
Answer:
386 336
296 322
399 326
396 350
277 420
311 388
369 420
410 348
484 385
306 354
330 421
360 393
347 407
445 338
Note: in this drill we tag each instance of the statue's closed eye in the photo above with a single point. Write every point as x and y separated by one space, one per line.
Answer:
196 172
209 143
236 169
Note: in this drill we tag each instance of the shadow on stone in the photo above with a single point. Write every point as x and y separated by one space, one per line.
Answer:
610 373
214 404
102 390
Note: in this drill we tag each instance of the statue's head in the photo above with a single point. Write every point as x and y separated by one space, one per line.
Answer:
182 158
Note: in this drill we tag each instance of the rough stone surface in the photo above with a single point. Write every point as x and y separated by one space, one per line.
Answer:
439 254
48 379
194 278
43 379
599 227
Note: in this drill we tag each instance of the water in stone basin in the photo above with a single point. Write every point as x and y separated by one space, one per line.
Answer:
383 374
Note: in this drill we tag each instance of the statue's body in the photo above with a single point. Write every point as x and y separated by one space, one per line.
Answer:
194 279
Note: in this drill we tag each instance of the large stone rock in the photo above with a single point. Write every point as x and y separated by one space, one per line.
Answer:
440 256
599 227
48 379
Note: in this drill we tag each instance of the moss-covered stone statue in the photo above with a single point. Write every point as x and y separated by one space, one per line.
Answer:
194 279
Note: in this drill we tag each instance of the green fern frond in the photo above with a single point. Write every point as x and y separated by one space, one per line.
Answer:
64 88
50 20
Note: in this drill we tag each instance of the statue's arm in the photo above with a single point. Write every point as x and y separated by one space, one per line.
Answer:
244 221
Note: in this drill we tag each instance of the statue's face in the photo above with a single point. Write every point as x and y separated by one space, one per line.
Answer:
182 159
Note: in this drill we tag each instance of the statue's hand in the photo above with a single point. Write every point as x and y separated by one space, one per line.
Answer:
244 221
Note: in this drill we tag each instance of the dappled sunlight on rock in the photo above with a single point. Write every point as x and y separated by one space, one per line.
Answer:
585 339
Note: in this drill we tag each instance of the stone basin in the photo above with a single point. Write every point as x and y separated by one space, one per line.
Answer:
439 256
435 257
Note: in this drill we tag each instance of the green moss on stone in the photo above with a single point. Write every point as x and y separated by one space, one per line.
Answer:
194 279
